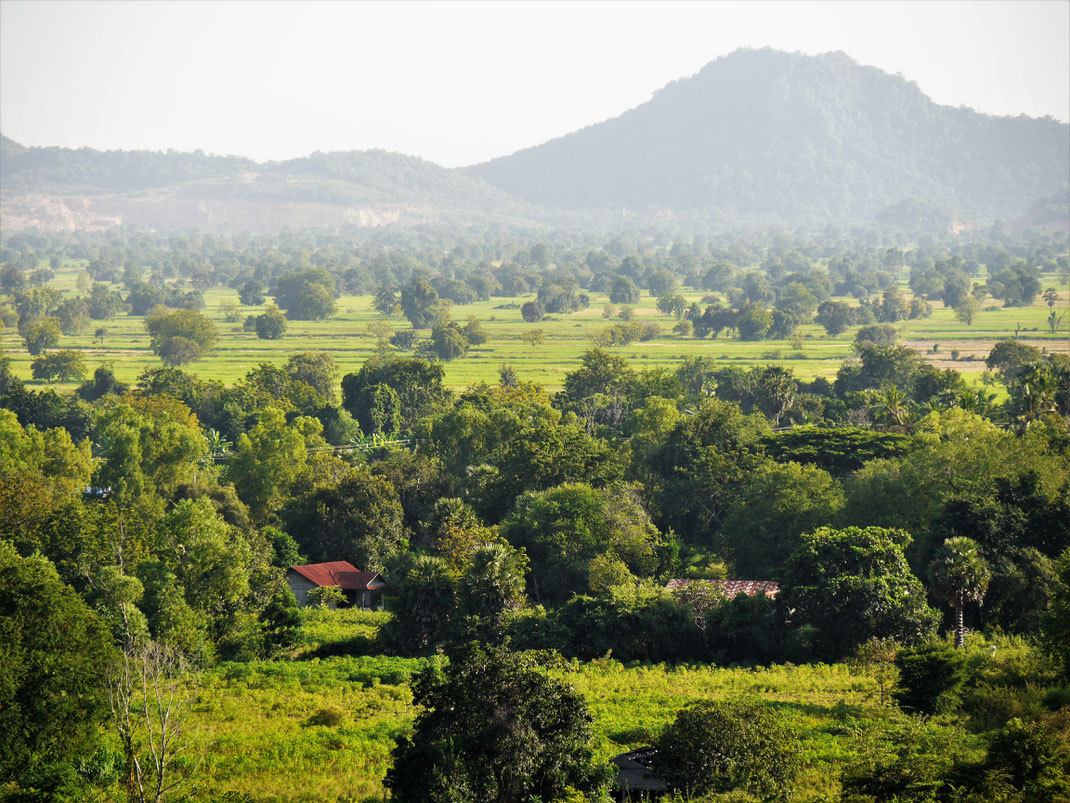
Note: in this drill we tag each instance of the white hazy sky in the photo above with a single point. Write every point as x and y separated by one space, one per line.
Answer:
462 82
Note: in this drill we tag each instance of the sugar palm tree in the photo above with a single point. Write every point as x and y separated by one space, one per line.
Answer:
958 574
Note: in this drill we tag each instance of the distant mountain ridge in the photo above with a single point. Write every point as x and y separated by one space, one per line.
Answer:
755 137
806 138
66 188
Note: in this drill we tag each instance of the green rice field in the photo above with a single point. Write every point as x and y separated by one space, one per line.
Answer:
125 343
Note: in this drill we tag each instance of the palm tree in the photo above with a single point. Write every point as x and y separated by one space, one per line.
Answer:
895 405
958 574
494 581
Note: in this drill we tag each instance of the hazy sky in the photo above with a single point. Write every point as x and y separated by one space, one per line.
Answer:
459 83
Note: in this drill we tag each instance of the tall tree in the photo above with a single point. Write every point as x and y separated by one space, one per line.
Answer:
959 575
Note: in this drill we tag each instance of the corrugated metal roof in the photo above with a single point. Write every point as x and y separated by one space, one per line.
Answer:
732 588
339 573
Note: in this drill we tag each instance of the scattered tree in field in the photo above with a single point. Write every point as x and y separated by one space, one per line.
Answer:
418 303
959 574
624 291
180 336
448 342
66 365
495 728
230 311
719 746
251 293
306 295
835 316
271 324
966 310
535 337
473 332
532 311
40 335
876 658
385 301
103 304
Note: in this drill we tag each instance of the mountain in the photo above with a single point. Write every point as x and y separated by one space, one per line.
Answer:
86 188
807 139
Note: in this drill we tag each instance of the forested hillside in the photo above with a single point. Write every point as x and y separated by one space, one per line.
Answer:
761 135
170 190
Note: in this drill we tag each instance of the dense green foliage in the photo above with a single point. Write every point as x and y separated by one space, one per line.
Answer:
55 654
729 745
494 728
171 500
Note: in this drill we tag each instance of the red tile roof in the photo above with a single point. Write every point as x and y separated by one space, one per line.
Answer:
732 588
338 573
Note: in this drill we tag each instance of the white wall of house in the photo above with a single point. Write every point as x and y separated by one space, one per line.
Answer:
300 585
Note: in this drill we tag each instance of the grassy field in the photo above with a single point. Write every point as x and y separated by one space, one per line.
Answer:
321 729
346 336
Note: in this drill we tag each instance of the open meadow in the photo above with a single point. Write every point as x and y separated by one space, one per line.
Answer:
322 728
346 336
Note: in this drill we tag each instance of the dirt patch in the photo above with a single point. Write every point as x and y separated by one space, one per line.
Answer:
972 353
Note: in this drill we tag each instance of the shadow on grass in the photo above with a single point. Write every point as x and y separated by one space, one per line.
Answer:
356 646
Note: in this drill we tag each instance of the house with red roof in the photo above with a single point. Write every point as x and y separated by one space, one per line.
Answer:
359 587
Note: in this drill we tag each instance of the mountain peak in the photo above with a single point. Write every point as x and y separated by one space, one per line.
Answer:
764 134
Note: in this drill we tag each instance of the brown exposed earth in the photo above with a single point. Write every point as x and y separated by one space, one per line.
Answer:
98 213
978 350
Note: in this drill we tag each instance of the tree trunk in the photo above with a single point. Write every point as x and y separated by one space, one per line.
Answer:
960 629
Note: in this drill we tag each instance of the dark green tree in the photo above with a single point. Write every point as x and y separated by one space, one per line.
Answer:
41 334
718 746
448 341
270 324
306 295
843 587
66 365
417 383
180 336
251 293
418 299
624 291
359 520
55 652
494 728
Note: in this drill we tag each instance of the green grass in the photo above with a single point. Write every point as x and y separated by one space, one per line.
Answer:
257 738
258 732
345 336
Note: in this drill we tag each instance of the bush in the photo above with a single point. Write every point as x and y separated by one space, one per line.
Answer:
326 596
718 746
929 678
328 717
1033 758
271 324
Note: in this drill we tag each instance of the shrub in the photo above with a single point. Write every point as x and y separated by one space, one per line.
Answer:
718 746
929 678
326 596
327 717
